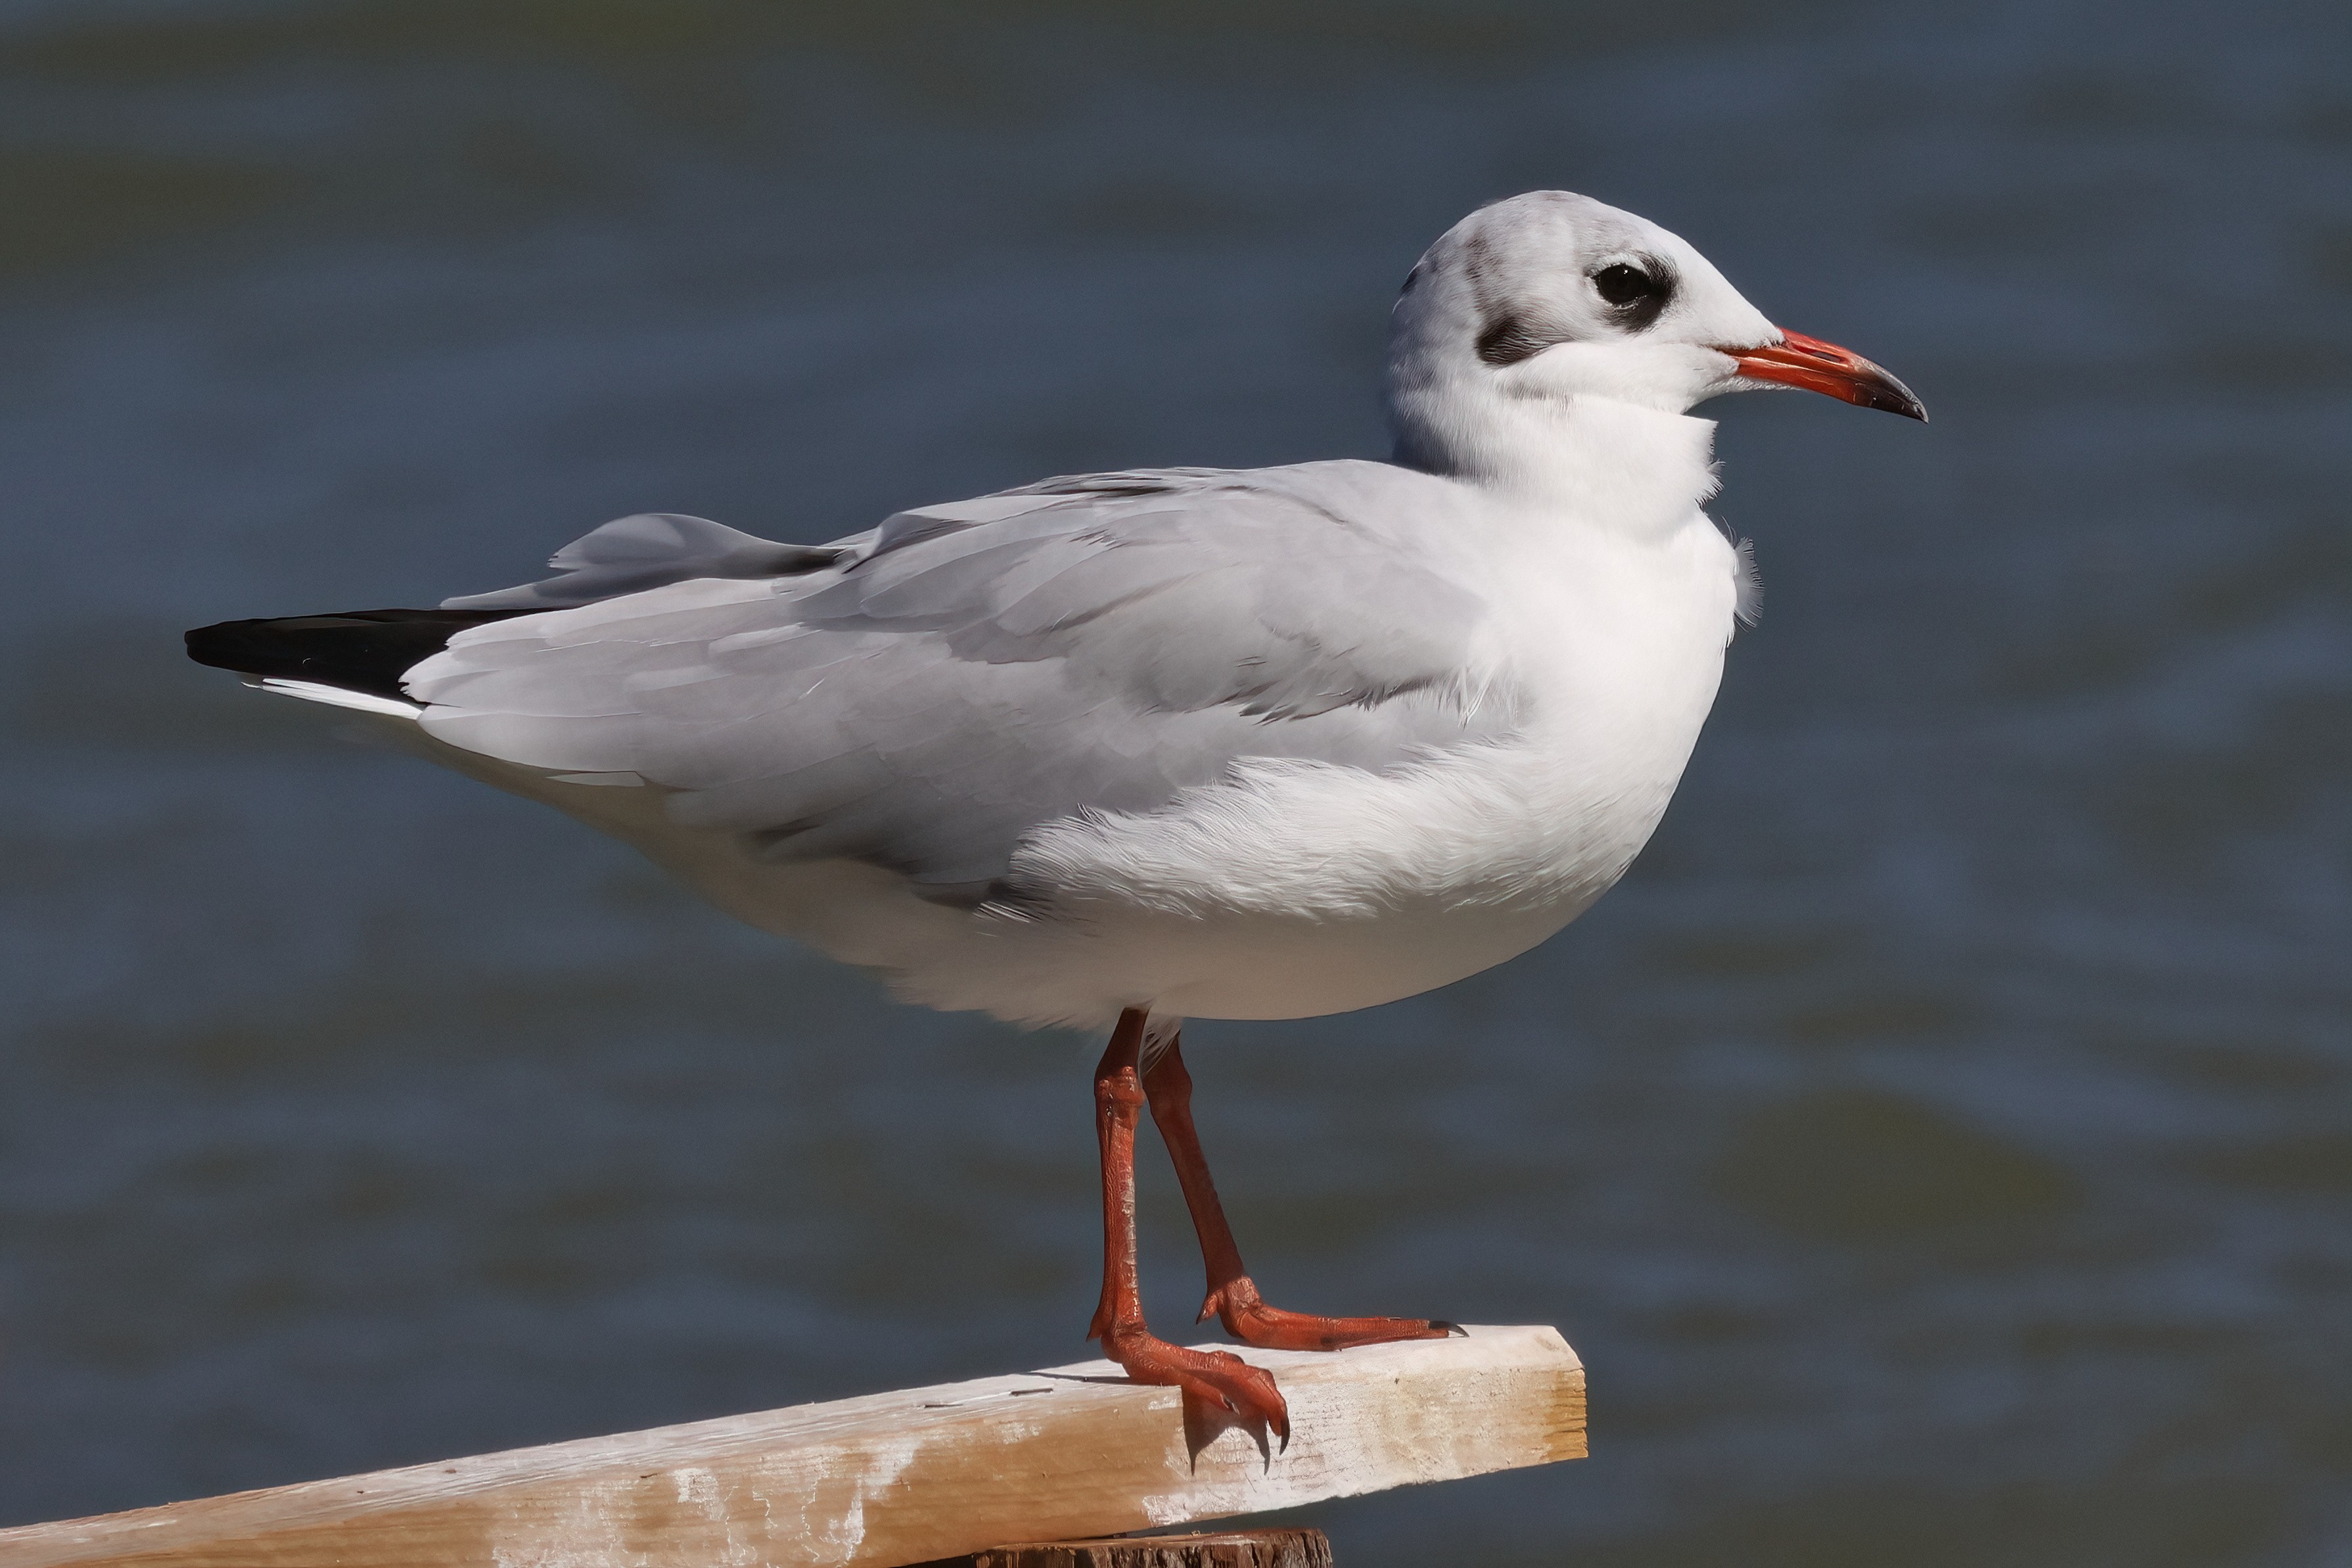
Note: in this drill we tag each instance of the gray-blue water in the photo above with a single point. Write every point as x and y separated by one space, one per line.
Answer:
1940 1147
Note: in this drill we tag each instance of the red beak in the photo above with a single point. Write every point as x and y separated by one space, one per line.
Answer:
1800 360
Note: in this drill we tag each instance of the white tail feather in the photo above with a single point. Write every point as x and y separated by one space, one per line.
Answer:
337 697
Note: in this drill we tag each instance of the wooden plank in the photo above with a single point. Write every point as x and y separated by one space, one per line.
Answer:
1242 1548
891 1478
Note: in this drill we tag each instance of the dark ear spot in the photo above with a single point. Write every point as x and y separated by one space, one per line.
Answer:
1511 337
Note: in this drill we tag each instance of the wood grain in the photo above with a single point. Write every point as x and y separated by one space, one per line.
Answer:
1242 1548
891 1478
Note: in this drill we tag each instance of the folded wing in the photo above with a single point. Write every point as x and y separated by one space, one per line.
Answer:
922 696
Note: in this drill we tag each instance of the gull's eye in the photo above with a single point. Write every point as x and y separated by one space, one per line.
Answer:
1635 294
1622 285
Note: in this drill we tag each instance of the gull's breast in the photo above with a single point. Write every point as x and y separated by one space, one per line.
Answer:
1294 888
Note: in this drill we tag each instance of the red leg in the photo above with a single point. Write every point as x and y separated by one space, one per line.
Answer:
1232 1295
1220 1378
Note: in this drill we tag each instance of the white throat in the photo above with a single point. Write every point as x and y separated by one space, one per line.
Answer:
1611 464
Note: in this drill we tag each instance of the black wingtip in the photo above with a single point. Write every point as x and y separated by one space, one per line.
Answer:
358 650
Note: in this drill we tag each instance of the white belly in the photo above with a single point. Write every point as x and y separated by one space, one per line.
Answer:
1276 897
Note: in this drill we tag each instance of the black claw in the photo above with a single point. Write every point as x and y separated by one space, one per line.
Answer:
1449 1328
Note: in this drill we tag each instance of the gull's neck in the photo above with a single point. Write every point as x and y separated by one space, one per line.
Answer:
1609 464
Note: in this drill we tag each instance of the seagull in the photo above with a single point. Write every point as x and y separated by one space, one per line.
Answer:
1112 750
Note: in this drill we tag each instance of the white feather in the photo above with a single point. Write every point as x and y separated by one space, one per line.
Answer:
337 697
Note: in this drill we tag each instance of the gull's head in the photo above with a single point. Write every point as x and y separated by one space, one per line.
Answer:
1551 297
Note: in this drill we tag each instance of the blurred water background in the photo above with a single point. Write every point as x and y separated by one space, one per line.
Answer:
1940 1147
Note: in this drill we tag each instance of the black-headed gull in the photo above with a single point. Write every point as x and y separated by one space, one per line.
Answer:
1115 750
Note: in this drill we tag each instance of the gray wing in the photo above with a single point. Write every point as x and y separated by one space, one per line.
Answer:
651 550
930 692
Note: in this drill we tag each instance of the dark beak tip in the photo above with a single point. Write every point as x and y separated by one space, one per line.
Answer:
1815 366
1897 398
